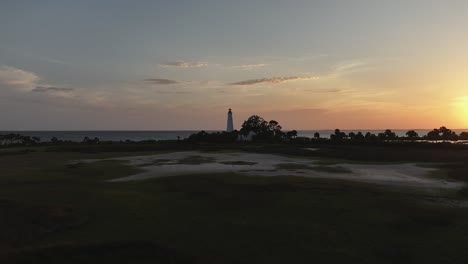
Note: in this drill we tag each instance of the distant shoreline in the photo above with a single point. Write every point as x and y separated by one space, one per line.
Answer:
215 130
141 135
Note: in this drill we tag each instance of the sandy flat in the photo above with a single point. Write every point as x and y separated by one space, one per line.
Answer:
163 165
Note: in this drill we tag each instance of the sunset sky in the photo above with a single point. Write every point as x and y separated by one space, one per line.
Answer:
170 65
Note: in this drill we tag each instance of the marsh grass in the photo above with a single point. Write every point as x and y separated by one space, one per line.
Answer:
216 218
321 168
292 166
117 252
196 160
238 162
157 162
331 169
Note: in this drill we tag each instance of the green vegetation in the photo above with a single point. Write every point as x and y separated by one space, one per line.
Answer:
55 211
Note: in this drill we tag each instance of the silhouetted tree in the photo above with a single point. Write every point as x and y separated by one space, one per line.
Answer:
464 136
387 135
17 139
442 133
255 124
359 136
434 134
274 129
381 136
217 137
370 137
317 135
412 134
262 128
87 140
338 135
447 134
291 134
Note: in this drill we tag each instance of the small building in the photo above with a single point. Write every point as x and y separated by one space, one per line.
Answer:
249 137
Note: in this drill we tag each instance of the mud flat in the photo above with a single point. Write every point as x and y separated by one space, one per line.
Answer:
192 162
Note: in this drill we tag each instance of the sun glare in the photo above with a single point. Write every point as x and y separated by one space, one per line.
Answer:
461 108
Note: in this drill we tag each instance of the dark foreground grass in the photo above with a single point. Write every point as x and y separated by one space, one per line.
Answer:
54 213
127 252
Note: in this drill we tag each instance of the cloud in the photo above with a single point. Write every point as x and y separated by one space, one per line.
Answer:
274 80
184 64
52 60
351 66
325 91
14 82
173 92
16 78
51 89
161 81
249 66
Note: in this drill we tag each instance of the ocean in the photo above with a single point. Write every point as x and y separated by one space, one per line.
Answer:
78 136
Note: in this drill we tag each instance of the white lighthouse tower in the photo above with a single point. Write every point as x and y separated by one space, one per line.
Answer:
230 124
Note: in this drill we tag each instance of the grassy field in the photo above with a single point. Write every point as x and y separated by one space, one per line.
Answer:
55 212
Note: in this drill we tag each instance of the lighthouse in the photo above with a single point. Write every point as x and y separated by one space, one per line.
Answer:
230 124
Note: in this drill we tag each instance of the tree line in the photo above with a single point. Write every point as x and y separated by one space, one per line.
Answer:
258 129
17 139
437 134
271 131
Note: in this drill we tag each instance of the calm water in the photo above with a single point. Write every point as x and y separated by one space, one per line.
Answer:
165 135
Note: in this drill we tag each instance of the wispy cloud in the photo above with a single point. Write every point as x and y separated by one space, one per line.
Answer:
324 90
274 80
184 64
52 60
306 57
249 66
51 89
350 66
161 81
174 92
15 80
12 77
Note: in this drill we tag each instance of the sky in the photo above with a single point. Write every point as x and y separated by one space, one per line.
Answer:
180 65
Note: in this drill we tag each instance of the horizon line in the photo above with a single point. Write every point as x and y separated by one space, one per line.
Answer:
215 130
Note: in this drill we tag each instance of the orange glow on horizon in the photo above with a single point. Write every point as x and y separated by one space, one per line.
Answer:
462 110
